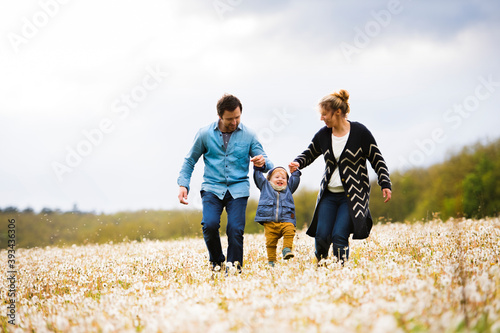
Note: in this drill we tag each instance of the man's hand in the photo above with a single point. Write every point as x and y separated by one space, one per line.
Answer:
293 166
386 193
183 195
259 161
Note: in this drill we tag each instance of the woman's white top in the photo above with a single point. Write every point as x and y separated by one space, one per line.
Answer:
338 145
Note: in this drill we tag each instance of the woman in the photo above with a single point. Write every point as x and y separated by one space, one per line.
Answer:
342 204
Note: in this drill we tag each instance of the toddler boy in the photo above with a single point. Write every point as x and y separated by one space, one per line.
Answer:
276 209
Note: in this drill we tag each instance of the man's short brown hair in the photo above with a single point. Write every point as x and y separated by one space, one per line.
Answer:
228 103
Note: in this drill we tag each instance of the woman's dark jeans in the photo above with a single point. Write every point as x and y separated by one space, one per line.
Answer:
334 226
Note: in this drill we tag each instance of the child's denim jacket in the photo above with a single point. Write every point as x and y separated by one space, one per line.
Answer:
275 206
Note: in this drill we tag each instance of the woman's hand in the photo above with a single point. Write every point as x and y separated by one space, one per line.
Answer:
293 166
386 193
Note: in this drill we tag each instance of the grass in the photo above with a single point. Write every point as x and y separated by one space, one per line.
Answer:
422 277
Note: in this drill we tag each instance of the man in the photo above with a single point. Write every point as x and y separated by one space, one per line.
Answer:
227 147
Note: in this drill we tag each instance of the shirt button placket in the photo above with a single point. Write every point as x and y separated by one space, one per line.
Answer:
226 169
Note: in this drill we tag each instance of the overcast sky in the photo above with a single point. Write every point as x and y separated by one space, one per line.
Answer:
100 100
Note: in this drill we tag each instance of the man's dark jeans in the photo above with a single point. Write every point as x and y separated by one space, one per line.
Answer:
212 210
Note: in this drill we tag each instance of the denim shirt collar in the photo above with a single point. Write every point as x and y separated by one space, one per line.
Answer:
216 126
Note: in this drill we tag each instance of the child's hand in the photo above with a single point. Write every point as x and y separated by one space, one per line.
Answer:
293 166
259 161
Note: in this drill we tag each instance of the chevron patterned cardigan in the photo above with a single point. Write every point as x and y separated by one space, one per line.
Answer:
360 146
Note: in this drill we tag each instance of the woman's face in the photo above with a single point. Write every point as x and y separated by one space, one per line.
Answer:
331 118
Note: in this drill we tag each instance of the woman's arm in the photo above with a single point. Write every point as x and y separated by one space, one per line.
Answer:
310 154
377 162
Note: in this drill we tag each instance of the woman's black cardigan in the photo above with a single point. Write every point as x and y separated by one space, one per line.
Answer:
360 146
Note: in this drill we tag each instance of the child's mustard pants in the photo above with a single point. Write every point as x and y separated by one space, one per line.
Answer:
273 232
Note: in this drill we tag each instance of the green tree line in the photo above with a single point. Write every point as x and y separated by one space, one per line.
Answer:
465 185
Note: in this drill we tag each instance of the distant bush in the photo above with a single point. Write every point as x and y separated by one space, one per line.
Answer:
61 229
465 185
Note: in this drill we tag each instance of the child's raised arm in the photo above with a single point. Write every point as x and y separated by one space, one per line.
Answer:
294 181
258 177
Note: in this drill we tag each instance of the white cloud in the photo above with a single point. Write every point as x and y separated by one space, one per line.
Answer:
285 55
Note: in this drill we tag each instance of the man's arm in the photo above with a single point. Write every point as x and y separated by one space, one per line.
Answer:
260 158
190 161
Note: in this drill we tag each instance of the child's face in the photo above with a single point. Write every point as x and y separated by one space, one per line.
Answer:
278 178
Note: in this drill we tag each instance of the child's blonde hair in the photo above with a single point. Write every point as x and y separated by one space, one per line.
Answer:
278 168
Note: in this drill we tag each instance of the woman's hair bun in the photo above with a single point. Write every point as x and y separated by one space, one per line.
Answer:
335 101
343 95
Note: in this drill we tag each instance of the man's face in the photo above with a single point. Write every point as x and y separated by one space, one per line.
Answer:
230 120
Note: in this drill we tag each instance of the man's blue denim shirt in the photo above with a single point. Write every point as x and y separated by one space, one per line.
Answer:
225 170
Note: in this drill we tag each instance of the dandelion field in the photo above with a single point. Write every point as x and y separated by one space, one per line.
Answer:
421 277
